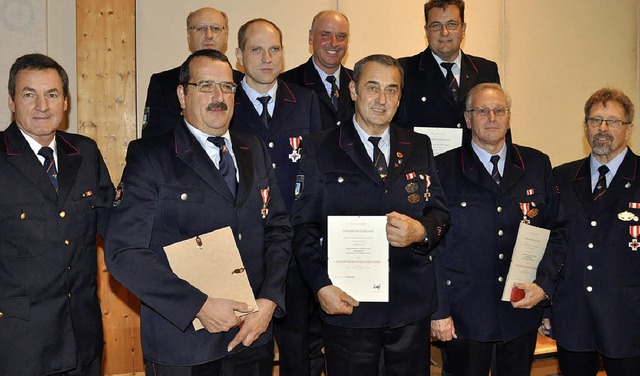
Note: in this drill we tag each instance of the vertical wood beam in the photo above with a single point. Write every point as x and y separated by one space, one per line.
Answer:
106 75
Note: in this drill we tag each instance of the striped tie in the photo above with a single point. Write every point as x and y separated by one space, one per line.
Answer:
601 185
451 80
378 157
495 173
49 165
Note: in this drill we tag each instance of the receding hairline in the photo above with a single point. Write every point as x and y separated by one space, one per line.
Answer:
314 22
195 12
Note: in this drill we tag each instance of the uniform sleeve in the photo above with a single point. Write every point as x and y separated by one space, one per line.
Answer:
128 254
105 187
307 221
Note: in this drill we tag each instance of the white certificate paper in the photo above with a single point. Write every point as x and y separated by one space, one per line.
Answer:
442 139
358 256
527 253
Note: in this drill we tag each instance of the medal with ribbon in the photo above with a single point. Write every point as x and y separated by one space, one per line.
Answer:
427 194
295 146
634 205
525 207
634 231
264 194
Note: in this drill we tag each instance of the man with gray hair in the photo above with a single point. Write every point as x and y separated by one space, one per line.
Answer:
597 305
207 28
370 167
491 186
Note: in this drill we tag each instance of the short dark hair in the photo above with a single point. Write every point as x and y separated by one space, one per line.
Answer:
443 4
185 73
608 94
385 60
242 39
36 62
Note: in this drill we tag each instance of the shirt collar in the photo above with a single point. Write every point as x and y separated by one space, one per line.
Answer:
35 146
485 157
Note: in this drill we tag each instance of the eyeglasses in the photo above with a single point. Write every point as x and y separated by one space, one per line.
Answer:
484 111
611 123
209 86
451 26
215 29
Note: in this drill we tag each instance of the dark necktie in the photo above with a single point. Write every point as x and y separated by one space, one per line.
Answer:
335 92
265 110
49 165
451 80
601 185
378 157
226 166
495 173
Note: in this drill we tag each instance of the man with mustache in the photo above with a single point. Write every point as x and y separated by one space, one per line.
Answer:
198 178
207 28
281 114
439 78
596 309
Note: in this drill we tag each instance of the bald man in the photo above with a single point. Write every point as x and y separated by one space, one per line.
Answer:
207 29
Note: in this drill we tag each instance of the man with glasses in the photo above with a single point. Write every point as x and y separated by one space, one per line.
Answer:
281 114
491 186
196 179
596 309
207 28
370 167
439 78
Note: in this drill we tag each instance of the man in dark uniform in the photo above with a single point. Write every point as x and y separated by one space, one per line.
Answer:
324 72
345 172
492 185
196 179
207 28
281 114
439 78
55 194
596 310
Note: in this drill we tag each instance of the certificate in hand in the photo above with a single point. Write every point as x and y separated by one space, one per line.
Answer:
442 139
358 256
211 262
531 243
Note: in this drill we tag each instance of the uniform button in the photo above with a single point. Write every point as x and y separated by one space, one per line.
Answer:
67 242
500 232
239 236
463 204
424 99
589 288
63 214
273 165
69 295
183 197
590 245
589 267
430 258
23 215
271 145
340 179
499 209
501 256
459 125
594 223
69 268
448 282
338 122
500 279
1 315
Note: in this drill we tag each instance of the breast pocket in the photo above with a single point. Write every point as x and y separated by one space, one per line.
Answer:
21 226
181 207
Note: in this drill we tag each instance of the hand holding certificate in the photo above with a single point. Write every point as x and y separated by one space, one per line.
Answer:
358 256
531 243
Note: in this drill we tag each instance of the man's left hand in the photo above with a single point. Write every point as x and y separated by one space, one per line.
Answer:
403 230
254 324
533 294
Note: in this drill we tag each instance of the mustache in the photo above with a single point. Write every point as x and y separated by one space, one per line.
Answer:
602 137
217 106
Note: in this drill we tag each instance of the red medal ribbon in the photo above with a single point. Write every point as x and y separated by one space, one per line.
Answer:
428 181
634 205
411 175
264 193
530 192
525 207
634 231
294 142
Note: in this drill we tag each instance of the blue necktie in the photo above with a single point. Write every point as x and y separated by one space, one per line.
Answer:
226 166
451 80
266 118
335 92
49 165
495 173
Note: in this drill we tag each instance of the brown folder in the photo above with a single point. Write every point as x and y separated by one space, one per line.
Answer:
211 262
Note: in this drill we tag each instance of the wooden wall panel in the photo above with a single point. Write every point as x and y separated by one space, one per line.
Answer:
105 41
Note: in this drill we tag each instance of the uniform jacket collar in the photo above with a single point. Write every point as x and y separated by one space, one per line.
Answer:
286 104
468 75
191 153
401 151
20 155
313 81
473 169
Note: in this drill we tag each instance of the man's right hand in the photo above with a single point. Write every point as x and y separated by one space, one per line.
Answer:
443 329
334 301
218 315
545 328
